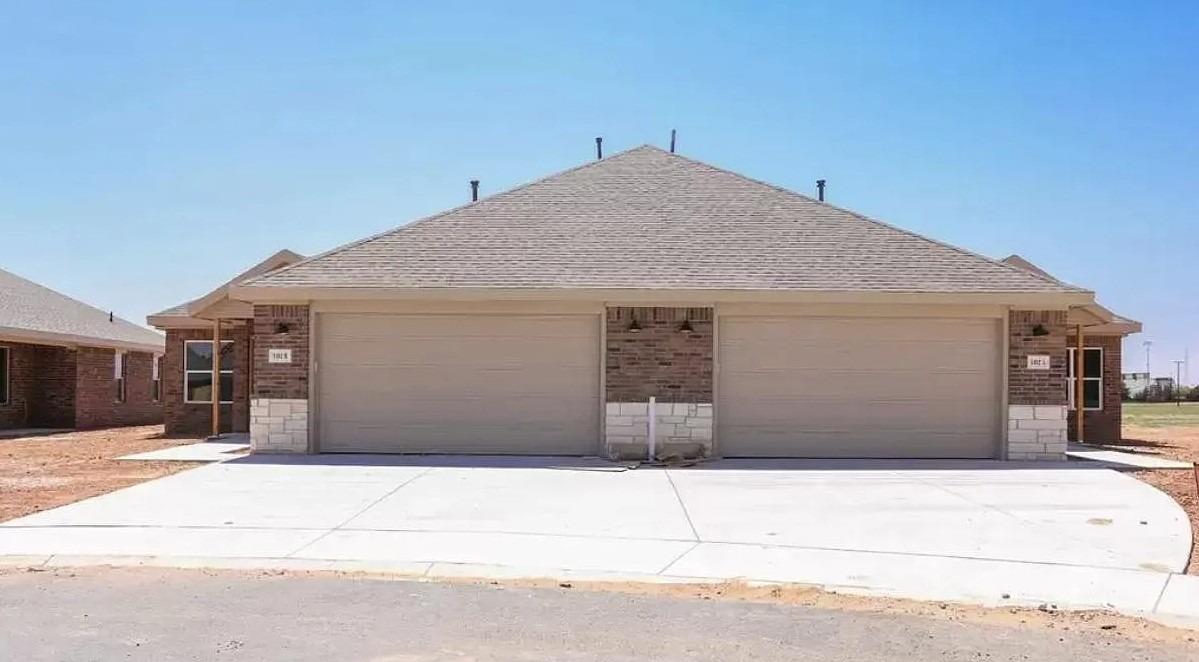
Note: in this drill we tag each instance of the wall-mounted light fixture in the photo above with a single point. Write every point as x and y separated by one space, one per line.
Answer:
1040 330
282 329
634 327
685 327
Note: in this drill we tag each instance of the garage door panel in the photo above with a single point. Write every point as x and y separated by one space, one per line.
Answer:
432 409
831 414
858 387
518 327
439 381
350 437
827 385
470 352
854 444
799 354
838 330
458 383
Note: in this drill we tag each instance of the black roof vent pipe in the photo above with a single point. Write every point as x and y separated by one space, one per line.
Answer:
672 141
599 148
474 190
820 189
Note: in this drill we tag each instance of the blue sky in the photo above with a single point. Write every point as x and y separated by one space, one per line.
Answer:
149 151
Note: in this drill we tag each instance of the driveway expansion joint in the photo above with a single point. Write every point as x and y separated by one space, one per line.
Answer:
351 518
678 497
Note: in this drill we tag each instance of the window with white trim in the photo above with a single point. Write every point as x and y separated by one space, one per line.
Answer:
197 371
1092 378
3 375
118 373
156 377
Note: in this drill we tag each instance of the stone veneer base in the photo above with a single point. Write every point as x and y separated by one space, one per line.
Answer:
1036 432
278 425
682 429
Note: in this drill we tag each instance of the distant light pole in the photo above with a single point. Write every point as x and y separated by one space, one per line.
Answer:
1148 372
1178 382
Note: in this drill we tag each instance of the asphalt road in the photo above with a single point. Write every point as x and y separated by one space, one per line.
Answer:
144 614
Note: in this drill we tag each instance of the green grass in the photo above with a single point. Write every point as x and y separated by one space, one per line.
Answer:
1161 414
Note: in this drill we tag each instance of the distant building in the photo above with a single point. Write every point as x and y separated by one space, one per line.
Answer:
1164 383
1136 383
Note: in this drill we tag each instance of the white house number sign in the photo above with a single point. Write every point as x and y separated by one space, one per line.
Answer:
278 356
1038 362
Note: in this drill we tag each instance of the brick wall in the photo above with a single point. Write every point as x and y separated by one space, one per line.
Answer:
1036 398
281 380
22 368
53 401
96 402
195 419
1103 425
1037 387
279 406
659 360
66 388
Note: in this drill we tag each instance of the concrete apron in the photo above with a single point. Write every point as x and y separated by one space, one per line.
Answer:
985 533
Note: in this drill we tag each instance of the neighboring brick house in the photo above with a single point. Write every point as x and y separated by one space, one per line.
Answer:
187 366
65 364
651 304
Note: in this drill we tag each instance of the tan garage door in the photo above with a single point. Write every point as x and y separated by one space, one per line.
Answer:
858 387
458 384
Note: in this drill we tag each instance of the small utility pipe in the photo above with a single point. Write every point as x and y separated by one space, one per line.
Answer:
652 424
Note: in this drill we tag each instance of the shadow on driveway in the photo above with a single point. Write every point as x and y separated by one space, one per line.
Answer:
599 464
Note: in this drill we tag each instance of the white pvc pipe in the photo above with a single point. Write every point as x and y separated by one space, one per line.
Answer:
652 420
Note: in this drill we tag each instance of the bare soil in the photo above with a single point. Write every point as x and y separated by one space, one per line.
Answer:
43 472
1180 443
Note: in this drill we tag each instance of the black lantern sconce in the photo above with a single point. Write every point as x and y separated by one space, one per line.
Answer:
1040 330
282 329
685 327
634 327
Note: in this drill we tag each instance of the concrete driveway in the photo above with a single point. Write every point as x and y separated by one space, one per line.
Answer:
976 531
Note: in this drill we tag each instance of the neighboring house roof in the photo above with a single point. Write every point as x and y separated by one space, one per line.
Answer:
35 314
1107 322
216 304
647 219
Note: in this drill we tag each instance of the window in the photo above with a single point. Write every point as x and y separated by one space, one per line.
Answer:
3 375
197 371
156 377
118 373
1092 378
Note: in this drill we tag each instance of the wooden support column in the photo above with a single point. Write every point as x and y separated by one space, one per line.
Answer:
216 377
1079 404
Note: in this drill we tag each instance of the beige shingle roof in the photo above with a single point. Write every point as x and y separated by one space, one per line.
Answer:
649 219
34 313
185 310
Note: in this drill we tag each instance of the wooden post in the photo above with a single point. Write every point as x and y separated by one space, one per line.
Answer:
1079 405
216 377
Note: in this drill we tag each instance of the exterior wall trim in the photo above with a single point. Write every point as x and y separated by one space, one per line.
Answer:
314 405
1004 378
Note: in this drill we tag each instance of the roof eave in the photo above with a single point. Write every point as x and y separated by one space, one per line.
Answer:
1023 300
71 340
196 307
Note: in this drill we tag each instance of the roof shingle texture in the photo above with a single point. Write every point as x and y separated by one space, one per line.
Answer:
649 219
27 306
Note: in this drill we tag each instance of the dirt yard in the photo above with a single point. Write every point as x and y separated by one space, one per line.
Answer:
39 473
1171 431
